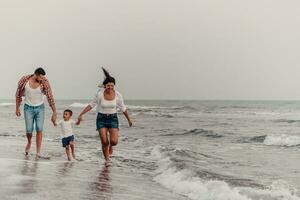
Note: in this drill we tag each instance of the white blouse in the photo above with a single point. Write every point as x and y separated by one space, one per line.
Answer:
108 106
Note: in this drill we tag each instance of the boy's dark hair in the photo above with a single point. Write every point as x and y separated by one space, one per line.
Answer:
40 71
69 111
108 78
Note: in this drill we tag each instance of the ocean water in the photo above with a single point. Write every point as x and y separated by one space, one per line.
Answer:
204 150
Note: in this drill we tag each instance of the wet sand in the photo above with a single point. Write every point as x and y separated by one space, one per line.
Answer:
24 177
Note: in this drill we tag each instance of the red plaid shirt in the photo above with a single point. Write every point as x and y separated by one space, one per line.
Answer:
45 88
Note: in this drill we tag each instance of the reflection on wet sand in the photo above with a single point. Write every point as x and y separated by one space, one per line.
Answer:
29 170
65 169
102 184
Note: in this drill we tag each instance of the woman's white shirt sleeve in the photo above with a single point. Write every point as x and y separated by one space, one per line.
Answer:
120 102
95 100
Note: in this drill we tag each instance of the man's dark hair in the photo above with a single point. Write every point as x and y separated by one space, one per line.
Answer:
69 111
40 71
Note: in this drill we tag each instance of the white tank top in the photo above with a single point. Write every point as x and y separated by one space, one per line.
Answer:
105 106
108 106
33 97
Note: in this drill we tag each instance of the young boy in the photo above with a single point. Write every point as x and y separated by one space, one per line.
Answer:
66 126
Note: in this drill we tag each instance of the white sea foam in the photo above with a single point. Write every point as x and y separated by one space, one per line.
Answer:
79 105
282 140
7 104
183 182
82 105
133 107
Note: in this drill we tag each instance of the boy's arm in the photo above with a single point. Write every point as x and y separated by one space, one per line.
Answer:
74 123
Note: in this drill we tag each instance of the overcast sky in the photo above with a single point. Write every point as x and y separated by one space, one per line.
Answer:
156 49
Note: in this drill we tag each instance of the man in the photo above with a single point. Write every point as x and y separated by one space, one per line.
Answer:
33 88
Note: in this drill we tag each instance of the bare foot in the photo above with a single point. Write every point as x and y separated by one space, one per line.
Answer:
38 156
27 149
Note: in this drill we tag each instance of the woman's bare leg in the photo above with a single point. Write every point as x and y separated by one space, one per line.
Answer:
104 142
114 136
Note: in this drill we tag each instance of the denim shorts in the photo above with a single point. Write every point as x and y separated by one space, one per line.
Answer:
107 121
66 140
34 118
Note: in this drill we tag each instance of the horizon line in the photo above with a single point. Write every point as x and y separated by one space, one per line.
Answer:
79 99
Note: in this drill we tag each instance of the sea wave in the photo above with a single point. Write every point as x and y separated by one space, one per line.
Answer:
184 182
287 121
151 108
197 131
274 140
6 104
79 105
133 107
282 140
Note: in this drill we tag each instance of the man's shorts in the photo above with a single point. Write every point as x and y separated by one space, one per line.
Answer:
34 118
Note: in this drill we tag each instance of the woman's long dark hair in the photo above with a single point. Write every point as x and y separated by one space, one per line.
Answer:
108 78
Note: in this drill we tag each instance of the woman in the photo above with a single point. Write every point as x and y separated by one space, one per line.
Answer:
107 102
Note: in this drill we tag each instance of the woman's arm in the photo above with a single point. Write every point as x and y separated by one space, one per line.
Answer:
85 110
122 107
128 118
89 107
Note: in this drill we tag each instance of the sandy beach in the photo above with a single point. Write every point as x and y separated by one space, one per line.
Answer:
23 177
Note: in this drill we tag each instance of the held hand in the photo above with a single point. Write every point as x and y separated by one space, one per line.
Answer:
53 118
18 112
79 119
130 123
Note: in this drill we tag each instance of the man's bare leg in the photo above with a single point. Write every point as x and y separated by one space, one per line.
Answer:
39 137
28 146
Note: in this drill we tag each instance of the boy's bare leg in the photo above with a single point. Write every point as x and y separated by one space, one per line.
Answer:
72 144
68 152
27 148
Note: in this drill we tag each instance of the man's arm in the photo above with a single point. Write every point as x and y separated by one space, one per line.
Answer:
54 114
18 104
51 101
21 82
